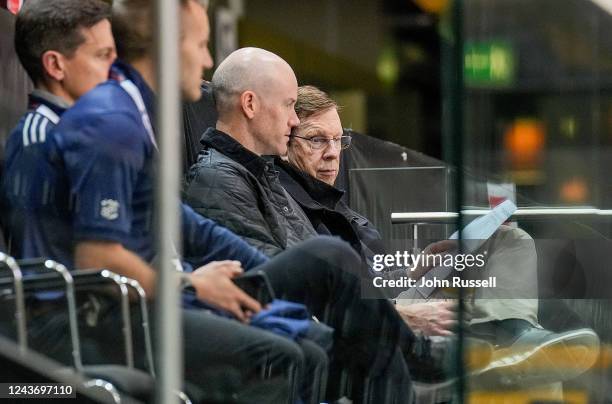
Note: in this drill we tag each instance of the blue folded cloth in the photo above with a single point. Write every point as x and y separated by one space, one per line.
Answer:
281 317
292 320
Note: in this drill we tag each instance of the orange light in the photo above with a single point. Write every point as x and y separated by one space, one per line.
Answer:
574 190
524 142
432 6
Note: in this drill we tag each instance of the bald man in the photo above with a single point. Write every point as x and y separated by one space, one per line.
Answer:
255 91
233 183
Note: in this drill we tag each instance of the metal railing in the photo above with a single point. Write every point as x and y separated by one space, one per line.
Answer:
519 214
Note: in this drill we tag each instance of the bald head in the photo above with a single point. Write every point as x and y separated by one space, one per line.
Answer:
245 69
255 91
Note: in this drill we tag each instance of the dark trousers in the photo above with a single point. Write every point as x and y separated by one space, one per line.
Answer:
224 360
370 339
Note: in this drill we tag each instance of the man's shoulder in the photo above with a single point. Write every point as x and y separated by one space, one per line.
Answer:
107 114
211 160
32 129
16 134
107 98
213 170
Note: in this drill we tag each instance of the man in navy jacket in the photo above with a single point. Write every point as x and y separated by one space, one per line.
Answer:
82 194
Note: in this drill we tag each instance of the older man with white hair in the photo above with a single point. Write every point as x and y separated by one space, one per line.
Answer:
510 323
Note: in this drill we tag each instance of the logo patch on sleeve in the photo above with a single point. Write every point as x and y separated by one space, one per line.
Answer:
109 209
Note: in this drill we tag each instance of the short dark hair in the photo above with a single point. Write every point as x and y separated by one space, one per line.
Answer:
132 22
44 25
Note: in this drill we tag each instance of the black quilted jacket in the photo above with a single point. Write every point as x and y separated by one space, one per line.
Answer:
241 191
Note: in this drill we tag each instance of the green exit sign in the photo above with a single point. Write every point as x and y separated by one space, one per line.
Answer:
489 63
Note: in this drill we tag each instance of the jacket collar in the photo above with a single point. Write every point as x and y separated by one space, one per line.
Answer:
306 189
42 97
121 71
229 147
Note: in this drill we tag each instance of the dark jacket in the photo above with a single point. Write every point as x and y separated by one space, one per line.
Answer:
328 213
241 191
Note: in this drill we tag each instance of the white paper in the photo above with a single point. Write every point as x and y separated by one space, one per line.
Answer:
472 238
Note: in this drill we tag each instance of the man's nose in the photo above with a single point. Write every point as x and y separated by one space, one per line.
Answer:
207 62
331 151
294 121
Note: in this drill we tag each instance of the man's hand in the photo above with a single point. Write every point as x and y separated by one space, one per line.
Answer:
213 284
439 247
430 318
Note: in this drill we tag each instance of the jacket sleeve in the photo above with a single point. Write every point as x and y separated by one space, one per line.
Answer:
223 194
205 241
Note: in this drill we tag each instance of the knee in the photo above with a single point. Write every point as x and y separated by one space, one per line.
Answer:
335 250
289 352
512 233
314 355
508 238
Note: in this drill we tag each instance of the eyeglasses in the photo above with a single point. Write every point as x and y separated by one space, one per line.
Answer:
321 142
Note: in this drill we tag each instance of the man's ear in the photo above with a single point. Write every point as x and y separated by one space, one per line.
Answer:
53 65
249 103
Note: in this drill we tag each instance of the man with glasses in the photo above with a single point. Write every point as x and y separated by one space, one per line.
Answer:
314 153
309 176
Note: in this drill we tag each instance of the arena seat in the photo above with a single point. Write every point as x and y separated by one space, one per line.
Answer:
41 274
